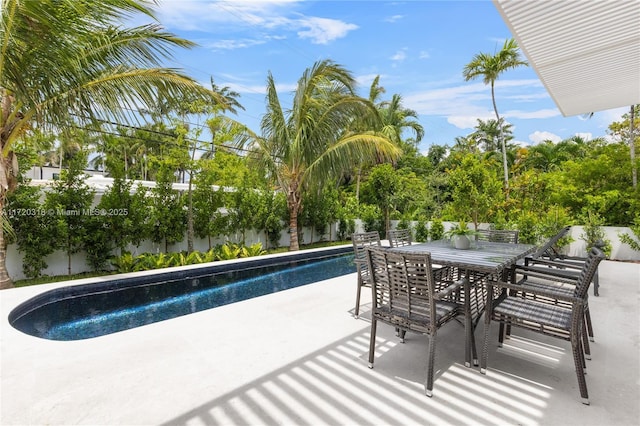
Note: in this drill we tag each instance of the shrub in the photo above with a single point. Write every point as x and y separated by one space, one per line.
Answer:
436 230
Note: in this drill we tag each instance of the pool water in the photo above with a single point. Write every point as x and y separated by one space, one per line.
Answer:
104 311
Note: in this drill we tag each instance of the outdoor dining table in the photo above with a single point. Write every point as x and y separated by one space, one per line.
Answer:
482 262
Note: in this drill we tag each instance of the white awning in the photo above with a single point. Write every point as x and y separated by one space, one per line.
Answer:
586 52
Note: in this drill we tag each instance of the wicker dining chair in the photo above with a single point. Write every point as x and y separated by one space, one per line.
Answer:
548 256
362 240
548 249
405 296
399 237
527 307
498 235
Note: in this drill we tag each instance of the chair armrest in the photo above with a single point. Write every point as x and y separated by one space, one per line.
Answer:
565 263
548 273
446 292
549 293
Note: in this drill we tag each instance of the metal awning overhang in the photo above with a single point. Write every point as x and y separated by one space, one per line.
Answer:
586 52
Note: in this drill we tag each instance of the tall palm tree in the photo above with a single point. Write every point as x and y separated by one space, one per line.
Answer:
314 142
396 119
490 67
66 63
487 133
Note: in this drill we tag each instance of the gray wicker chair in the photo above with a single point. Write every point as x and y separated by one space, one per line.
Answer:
409 295
547 256
498 235
399 237
518 306
362 240
548 249
532 279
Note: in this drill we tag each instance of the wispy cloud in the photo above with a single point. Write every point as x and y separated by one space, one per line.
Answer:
209 16
323 30
233 44
541 136
394 18
400 55
541 113
463 104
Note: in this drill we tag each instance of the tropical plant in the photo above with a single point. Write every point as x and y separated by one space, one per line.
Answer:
252 250
490 67
315 141
167 218
436 229
475 189
460 228
69 202
32 226
381 187
594 235
633 239
124 263
422 232
228 251
66 64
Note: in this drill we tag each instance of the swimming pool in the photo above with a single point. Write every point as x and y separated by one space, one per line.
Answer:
92 310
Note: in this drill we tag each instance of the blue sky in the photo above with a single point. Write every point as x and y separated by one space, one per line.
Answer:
418 48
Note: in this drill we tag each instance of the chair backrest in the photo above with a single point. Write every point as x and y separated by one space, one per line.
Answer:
399 237
547 249
588 271
403 287
362 240
498 235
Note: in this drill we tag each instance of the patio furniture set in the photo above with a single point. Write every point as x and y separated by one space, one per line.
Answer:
420 287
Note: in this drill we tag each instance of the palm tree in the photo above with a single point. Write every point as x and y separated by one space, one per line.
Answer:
490 67
488 134
65 63
313 142
396 119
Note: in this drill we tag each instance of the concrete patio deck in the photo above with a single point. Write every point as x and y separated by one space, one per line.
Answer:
298 357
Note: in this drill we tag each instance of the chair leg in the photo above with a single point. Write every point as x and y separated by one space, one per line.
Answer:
372 341
503 332
357 310
485 346
578 358
589 325
430 365
585 340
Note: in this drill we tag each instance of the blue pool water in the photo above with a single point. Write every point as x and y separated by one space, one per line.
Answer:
103 310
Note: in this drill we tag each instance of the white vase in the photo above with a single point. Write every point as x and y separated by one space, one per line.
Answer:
461 242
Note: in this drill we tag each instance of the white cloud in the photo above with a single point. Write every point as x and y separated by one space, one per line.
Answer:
538 136
541 113
394 18
605 118
424 54
233 44
265 15
323 30
586 136
463 104
400 55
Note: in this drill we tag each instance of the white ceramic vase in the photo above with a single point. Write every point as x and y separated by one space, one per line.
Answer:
461 242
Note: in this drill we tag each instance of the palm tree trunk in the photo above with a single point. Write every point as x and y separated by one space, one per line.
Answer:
358 185
503 145
294 206
5 279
